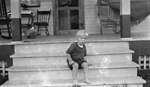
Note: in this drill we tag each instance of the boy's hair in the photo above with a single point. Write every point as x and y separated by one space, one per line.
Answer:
82 34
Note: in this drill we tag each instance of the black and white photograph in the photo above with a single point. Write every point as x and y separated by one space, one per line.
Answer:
74 43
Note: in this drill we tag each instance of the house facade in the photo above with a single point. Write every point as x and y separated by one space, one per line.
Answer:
69 16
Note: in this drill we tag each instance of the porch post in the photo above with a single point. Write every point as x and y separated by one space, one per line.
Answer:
16 20
125 11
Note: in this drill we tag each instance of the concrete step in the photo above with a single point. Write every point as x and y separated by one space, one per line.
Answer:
66 74
110 52
59 49
63 72
27 60
43 64
96 82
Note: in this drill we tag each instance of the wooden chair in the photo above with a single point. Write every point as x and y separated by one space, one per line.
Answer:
106 18
43 18
27 19
4 20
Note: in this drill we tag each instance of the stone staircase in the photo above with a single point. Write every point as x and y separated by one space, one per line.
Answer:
43 64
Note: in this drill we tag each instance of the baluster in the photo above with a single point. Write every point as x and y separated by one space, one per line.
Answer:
144 62
149 61
141 62
3 69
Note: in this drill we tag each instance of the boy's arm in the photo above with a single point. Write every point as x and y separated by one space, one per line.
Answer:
69 58
85 58
85 53
68 52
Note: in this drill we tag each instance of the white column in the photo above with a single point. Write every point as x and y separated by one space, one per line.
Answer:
15 8
125 7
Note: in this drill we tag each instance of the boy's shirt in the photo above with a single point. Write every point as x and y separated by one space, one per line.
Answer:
76 52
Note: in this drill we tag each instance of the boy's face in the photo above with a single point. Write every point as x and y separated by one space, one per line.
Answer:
81 40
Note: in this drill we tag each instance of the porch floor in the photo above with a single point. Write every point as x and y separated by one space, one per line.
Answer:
95 37
73 37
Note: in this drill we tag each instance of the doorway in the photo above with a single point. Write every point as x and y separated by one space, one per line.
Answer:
70 16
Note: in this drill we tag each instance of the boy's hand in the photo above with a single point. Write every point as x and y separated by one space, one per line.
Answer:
85 58
71 62
69 59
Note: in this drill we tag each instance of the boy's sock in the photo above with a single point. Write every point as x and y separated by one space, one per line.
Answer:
75 82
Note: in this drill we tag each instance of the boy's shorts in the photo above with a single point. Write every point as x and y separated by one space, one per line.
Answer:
79 62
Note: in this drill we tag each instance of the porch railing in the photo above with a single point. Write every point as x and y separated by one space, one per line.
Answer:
144 62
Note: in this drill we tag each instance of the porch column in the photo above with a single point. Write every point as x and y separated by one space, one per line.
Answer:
125 11
16 20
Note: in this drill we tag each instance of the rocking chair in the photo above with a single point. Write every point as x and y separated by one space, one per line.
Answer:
4 20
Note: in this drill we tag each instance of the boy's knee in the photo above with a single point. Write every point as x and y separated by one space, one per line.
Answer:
75 65
85 65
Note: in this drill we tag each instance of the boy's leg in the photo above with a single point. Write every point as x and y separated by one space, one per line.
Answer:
75 73
85 69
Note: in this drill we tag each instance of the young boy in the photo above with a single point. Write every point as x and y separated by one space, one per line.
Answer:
76 57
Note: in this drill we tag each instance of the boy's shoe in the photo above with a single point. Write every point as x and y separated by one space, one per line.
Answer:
76 86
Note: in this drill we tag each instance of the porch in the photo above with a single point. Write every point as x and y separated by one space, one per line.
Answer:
135 36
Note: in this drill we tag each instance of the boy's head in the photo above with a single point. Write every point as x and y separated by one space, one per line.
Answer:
82 35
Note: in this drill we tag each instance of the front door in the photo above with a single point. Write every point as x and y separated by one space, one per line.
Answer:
70 15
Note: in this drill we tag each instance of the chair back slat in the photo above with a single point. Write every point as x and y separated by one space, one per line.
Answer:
27 19
43 16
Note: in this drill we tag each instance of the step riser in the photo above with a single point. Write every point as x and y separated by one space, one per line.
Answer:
62 60
60 49
66 74
28 85
126 85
